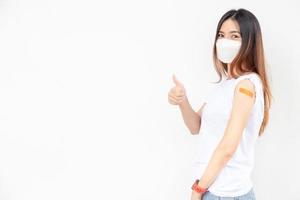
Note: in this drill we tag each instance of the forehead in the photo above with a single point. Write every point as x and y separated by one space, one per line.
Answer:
230 25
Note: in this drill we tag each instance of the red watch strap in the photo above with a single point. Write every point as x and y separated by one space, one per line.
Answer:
197 188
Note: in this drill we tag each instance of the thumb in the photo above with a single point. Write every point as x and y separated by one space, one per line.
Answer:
176 81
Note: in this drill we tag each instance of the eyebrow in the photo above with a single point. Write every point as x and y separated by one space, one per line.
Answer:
231 32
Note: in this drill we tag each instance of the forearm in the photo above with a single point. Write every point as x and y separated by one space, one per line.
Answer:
190 117
219 159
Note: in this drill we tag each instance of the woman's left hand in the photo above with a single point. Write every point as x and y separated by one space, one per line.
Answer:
196 196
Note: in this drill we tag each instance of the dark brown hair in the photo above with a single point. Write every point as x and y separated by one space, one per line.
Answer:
250 57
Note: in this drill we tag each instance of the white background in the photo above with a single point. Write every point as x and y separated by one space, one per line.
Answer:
83 97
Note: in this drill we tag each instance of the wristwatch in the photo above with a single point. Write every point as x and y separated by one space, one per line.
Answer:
197 188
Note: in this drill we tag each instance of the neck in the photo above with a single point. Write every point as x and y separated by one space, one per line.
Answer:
228 71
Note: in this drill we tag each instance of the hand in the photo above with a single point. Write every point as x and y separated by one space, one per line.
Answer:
177 94
196 196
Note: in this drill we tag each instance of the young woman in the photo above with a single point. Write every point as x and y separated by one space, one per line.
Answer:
234 115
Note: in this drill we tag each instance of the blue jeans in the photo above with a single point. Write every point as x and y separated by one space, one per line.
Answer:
249 196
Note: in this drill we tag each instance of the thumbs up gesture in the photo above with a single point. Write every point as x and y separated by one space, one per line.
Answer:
177 94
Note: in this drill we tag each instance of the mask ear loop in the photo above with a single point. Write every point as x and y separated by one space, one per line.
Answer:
246 92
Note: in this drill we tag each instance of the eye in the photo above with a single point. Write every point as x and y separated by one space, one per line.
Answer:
235 36
220 35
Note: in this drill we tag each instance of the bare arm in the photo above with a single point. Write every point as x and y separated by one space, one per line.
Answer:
191 118
242 104
177 96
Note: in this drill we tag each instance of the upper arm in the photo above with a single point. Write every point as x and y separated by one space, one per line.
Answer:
243 101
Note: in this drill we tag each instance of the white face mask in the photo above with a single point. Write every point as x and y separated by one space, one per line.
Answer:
227 49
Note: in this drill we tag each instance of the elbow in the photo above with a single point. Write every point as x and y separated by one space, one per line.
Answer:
227 152
227 148
194 132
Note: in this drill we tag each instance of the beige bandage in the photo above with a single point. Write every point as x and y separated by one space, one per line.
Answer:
246 92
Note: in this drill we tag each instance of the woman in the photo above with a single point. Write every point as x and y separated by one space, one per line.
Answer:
234 115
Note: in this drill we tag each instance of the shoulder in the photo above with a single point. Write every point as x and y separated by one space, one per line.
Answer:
251 80
247 80
245 88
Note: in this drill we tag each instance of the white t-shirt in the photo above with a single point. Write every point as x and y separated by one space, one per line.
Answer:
234 179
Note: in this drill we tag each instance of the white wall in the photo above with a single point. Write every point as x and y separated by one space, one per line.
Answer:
83 97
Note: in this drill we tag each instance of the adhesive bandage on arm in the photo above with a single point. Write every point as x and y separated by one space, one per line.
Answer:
246 92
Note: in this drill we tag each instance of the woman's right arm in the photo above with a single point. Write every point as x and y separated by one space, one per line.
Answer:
191 118
177 96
